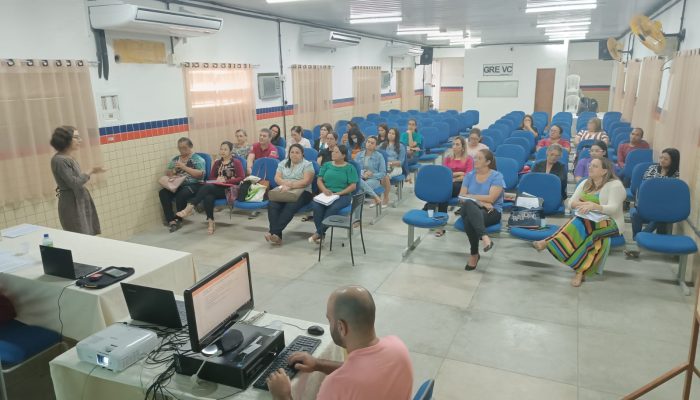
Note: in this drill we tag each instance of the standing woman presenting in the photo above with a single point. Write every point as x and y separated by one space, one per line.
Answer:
76 210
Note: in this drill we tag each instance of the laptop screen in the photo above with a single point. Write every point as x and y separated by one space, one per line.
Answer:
218 300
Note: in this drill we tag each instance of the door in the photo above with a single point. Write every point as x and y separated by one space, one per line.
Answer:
544 90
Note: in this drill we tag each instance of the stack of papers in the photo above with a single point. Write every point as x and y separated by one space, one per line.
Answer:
19 230
592 216
10 262
326 200
464 198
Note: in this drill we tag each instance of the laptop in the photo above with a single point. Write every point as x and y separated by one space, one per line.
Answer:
154 306
59 262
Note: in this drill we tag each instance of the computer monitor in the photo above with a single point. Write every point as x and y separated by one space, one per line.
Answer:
216 302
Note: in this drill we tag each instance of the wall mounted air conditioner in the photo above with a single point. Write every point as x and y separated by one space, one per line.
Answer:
328 39
269 86
397 49
133 18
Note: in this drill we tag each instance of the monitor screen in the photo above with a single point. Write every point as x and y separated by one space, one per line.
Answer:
214 303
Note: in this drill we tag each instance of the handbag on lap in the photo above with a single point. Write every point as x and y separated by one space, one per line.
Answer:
287 196
172 183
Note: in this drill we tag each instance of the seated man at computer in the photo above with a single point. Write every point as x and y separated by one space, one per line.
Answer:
376 368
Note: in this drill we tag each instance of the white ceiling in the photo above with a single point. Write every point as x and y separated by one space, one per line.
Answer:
495 21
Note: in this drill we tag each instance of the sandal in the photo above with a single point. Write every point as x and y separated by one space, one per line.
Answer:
212 227
268 237
578 280
276 240
534 244
631 253
185 212
174 226
440 233
315 239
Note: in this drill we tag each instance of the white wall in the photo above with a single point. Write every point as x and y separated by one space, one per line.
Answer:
452 73
583 51
592 72
61 29
526 60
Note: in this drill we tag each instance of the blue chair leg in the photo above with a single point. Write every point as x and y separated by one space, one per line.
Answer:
412 242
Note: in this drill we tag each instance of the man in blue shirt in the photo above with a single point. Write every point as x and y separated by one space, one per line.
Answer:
373 169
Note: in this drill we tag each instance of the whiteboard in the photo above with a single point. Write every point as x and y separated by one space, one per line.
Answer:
497 89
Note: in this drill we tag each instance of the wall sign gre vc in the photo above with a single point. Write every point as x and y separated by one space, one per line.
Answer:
498 69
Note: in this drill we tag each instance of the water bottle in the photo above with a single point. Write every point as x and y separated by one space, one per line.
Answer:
47 241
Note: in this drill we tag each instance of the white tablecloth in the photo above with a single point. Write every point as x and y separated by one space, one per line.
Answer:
73 379
84 312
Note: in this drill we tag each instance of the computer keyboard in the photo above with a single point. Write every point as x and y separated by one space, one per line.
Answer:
300 343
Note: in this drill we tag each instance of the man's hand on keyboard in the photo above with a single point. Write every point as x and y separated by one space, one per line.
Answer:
279 385
303 362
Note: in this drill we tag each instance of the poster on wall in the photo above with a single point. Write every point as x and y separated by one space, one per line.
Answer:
498 69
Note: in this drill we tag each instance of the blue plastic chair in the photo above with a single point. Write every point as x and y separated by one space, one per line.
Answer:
514 151
19 342
264 168
314 189
310 154
674 194
533 235
425 392
281 153
430 142
372 117
357 120
527 135
433 185
508 167
495 135
316 133
519 141
443 131
207 164
609 118
223 202
633 158
545 186
636 180
308 134
488 140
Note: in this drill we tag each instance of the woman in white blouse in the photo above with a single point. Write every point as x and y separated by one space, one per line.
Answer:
474 144
297 138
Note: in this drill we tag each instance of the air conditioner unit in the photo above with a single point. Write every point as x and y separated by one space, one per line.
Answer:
397 49
386 79
133 18
328 39
269 86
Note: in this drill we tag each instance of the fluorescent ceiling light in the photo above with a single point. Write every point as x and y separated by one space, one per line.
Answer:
417 28
414 32
281 1
565 38
560 24
565 30
438 39
561 8
570 33
447 34
375 15
375 20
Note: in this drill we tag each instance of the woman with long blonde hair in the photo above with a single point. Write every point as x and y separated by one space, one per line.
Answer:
583 242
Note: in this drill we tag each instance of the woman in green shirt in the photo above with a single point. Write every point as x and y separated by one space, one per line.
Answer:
337 177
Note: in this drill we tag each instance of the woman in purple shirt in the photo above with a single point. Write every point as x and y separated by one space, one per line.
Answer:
482 203
598 150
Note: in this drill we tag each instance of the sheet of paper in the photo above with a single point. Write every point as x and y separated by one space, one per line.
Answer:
10 262
19 230
326 200
527 202
592 216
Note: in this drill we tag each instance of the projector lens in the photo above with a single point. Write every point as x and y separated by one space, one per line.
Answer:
102 360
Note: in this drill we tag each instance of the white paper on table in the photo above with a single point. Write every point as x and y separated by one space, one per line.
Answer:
527 202
592 216
10 262
326 200
19 230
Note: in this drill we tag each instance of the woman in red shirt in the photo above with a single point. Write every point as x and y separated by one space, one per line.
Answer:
554 138
460 163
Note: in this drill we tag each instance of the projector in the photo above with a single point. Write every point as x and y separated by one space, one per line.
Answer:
117 346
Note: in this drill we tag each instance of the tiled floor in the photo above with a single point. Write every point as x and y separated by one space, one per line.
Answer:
512 329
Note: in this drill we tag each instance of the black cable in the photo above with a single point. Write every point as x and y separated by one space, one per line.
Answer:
59 307
82 392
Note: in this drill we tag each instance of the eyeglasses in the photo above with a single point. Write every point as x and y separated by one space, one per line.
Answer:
77 137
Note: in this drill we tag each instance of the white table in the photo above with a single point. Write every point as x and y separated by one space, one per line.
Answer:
83 311
73 379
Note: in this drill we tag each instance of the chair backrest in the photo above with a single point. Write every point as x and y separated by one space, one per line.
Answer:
584 144
425 392
542 155
637 175
635 157
488 140
609 118
207 164
434 184
357 120
540 116
431 137
546 186
509 168
443 129
281 153
514 151
566 116
673 194
454 125
266 168
308 134
520 141
584 153
427 122
316 133
527 135
494 134
310 154
372 117
244 164
358 200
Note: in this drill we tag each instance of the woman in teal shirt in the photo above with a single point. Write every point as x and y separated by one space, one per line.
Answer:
413 141
336 177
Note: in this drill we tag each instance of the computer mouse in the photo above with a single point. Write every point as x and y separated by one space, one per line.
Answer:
94 277
315 330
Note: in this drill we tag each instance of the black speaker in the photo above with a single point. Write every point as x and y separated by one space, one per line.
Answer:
603 53
427 57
